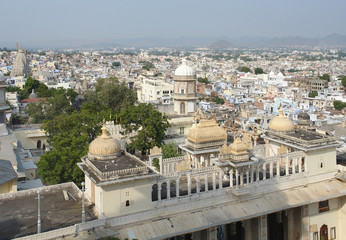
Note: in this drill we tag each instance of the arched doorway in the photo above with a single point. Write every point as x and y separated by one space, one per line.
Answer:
324 232
182 108
38 145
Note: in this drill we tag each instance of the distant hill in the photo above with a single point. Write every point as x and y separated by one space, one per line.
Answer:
221 44
330 41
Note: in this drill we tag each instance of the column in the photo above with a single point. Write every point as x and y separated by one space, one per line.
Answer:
159 191
241 178
198 183
294 165
165 169
161 163
231 178
271 169
287 166
177 187
220 179
206 182
278 168
188 184
150 161
263 227
236 177
300 164
252 174
214 181
264 171
247 176
168 189
196 163
257 173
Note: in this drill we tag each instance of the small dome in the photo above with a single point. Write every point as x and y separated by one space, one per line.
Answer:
184 70
206 131
33 95
281 123
238 147
104 144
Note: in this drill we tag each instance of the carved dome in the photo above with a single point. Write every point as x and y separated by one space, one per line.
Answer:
184 70
281 123
104 144
238 147
206 131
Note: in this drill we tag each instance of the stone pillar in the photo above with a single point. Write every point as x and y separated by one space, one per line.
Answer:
196 162
247 176
236 177
220 179
150 161
257 173
278 168
159 191
264 171
300 164
271 169
287 166
206 182
263 227
214 181
252 174
305 222
177 187
168 189
161 163
294 165
231 178
188 184
241 178
198 183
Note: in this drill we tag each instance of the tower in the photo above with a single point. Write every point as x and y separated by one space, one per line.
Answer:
184 90
21 65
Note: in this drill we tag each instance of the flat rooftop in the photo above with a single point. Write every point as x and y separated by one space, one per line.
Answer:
305 135
19 210
118 163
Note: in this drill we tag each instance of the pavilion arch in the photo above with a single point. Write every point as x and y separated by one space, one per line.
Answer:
154 193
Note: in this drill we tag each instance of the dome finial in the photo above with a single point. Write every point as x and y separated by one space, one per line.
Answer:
104 129
183 61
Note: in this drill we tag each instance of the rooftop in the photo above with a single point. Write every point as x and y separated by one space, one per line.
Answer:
19 210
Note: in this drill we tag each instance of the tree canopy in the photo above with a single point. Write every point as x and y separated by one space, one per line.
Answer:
343 80
325 76
259 71
313 94
169 150
339 105
244 69
203 80
70 132
149 124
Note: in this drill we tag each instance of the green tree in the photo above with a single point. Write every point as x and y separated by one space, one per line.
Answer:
244 69
343 81
218 100
109 95
203 80
149 124
325 76
156 164
59 103
69 138
259 71
313 94
169 150
116 64
339 105
147 65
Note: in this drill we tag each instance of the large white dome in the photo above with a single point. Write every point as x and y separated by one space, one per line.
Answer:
184 70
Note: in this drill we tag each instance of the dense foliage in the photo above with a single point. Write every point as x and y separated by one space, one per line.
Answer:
70 132
244 69
339 105
313 94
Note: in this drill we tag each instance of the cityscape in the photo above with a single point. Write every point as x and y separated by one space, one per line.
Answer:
215 130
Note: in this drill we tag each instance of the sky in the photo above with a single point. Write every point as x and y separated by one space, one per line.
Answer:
44 20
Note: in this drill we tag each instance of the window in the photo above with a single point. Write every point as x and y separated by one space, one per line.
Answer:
323 206
181 130
127 203
315 236
332 233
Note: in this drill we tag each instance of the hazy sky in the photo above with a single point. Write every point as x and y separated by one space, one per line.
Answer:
113 19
